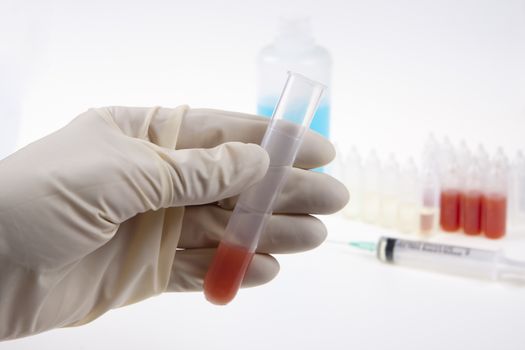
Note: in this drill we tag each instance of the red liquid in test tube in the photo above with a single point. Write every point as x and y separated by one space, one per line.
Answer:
291 118
226 273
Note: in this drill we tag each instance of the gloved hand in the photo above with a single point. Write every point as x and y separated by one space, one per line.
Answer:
105 212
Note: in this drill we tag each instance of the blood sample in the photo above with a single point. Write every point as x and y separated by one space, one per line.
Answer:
449 214
471 212
471 208
495 215
284 134
450 196
225 275
494 205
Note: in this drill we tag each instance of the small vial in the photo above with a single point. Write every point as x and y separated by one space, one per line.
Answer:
371 191
427 220
464 155
464 159
430 148
429 211
472 201
494 202
389 193
445 157
353 179
500 159
482 158
450 199
495 215
517 194
450 196
337 167
408 210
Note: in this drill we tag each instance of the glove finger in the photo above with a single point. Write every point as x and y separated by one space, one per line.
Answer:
305 192
208 128
190 267
203 227
200 176
166 178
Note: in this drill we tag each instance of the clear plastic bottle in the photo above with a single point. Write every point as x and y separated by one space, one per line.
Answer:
481 156
409 208
463 157
337 168
389 193
463 161
445 156
472 199
429 192
353 180
500 159
494 204
431 147
450 195
294 49
371 188
517 194
482 159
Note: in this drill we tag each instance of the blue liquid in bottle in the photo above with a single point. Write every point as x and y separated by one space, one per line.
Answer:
294 48
320 123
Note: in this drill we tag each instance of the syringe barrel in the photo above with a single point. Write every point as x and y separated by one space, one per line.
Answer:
445 258
291 118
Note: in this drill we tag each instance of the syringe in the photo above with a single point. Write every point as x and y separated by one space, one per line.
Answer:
465 261
284 135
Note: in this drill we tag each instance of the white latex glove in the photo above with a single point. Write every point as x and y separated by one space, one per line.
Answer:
91 216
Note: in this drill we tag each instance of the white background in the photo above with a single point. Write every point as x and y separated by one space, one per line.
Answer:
401 69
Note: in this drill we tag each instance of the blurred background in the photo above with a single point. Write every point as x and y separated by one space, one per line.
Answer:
401 69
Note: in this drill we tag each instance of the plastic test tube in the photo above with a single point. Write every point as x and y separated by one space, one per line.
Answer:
291 118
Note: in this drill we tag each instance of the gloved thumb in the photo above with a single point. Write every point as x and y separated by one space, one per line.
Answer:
194 176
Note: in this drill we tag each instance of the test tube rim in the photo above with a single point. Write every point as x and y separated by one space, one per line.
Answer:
306 79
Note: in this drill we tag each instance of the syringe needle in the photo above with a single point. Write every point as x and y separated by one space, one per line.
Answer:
370 246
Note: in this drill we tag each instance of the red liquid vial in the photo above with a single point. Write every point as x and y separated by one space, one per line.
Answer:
471 212
427 220
226 273
449 213
494 215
